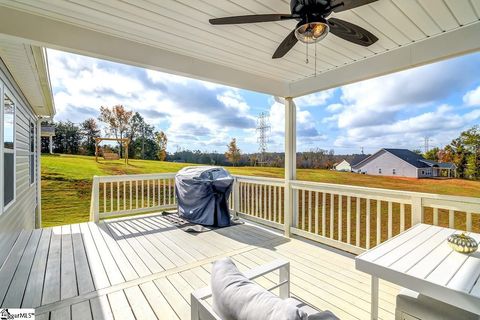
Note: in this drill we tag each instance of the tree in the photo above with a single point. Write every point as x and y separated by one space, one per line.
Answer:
233 152
432 154
161 139
90 131
67 138
471 141
117 120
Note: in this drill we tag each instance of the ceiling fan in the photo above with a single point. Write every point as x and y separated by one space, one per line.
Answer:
313 24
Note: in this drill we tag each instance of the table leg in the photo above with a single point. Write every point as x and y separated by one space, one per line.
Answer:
374 305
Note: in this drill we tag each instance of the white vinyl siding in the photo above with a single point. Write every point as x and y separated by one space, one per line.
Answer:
19 214
384 163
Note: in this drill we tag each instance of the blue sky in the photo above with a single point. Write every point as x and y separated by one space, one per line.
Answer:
398 110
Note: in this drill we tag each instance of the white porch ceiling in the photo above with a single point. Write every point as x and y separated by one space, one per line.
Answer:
175 36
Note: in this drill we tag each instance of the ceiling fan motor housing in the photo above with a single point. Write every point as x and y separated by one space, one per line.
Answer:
310 9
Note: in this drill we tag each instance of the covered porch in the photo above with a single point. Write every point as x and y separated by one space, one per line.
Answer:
143 266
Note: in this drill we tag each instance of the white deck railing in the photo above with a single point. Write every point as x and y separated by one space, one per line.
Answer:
350 218
129 194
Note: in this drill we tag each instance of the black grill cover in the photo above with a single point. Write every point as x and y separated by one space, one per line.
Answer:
202 194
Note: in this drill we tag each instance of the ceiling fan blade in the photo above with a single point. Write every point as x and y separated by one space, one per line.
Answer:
285 46
351 32
251 18
343 5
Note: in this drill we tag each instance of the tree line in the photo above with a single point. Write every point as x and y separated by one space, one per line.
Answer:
145 142
463 151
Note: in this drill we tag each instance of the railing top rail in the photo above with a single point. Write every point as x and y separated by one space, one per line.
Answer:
261 180
391 192
133 177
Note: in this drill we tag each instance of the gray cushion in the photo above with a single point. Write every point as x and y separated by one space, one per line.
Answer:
235 297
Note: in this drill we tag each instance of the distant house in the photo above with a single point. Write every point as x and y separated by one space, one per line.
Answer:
403 163
346 165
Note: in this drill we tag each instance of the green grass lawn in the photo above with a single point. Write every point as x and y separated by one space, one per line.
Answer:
67 182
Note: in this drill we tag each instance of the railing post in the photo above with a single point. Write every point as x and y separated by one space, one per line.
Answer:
290 162
417 211
236 197
95 203
284 277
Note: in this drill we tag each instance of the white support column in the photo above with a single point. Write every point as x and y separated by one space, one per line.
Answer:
50 144
290 162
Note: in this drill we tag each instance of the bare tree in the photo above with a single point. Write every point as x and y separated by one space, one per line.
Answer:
117 119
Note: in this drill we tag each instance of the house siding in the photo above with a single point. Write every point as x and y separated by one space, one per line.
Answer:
20 215
343 166
387 162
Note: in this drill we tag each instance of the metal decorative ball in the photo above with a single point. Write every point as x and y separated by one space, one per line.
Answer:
462 243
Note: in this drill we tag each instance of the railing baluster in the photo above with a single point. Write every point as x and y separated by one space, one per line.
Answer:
367 225
252 199
153 193
468 223
281 209
111 196
451 219
349 218
257 196
309 211
390 219
324 214
136 194
131 195
379 222
332 208
169 191
275 218
402 217
124 195
304 203
118 195
357 223
435 216
264 190
104 197
340 217
269 203
316 212
143 195
148 193
164 198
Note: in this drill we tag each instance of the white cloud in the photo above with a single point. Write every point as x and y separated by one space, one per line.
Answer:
472 98
315 99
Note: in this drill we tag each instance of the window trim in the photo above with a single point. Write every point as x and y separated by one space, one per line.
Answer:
33 153
4 92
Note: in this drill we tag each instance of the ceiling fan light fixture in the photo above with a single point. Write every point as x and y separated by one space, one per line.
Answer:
312 32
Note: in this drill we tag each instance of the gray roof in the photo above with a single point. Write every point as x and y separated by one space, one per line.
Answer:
411 157
358 158
416 160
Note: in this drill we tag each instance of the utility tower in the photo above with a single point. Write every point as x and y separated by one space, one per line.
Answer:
263 133
427 142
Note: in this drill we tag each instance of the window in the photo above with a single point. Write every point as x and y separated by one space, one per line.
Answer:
393 171
423 171
32 153
379 171
8 150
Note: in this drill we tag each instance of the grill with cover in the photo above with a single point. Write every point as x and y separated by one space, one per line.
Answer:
202 194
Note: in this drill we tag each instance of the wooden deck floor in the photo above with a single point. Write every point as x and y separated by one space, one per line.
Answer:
145 268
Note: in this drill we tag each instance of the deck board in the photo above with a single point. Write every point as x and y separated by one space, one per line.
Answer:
145 267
